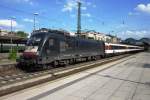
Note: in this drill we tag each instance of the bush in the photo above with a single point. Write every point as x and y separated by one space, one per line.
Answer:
13 54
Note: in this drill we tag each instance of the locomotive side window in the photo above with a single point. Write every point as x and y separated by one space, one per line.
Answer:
51 42
62 46
69 43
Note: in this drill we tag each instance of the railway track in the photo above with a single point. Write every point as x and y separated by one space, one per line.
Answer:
7 82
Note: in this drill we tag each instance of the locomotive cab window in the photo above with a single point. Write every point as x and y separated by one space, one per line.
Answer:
51 42
49 46
35 42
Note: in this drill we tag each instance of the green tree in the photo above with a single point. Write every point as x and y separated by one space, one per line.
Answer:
22 34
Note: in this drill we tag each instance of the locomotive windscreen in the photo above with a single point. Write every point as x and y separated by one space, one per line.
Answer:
34 43
35 40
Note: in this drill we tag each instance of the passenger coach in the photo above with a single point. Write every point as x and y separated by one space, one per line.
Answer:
116 49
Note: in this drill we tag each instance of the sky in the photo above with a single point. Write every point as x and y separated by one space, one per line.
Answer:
122 18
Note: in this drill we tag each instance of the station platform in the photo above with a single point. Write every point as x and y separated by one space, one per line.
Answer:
126 79
7 62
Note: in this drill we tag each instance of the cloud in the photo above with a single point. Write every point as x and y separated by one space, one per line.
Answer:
84 8
137 34
143 8
30 2
69 6
58 2
133 13
28 20
72 5
7 23
86 15
72 15
90 4
121 26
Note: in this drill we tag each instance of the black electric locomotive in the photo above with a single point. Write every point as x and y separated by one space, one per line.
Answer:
56 47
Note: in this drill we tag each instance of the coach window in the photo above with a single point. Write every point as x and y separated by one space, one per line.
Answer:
113 47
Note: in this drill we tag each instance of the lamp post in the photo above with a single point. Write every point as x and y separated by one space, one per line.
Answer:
34 26
11 31
79 19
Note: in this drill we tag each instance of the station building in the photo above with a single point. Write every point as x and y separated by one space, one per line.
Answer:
100 36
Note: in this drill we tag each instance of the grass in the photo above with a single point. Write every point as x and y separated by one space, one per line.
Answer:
12 54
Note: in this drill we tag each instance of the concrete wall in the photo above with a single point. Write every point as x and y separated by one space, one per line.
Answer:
5 55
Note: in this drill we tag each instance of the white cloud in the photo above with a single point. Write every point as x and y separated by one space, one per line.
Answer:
30 2
86 15
143 8
19 28
72 33
133 13
89 3
84 8
137 34
59 2
72 15
7 23
72 4
121 26
69 6
28 20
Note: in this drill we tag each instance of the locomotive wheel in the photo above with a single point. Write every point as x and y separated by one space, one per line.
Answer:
67 62
99 57
71 61
55 63
88 58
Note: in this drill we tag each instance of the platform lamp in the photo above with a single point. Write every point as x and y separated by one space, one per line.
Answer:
34 21
11 31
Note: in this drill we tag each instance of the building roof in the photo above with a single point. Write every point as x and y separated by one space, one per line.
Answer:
15 39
